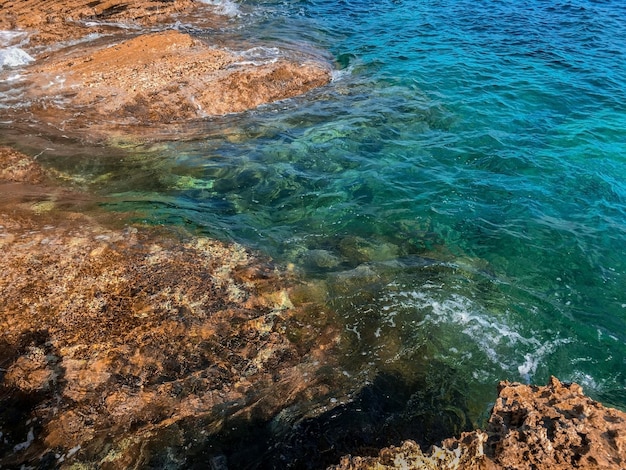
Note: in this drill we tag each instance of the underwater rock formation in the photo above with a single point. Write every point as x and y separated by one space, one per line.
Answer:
17 167
531 427
133 348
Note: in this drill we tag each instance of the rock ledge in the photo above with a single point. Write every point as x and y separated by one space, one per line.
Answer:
554 427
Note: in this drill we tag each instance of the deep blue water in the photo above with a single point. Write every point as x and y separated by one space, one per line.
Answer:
459 189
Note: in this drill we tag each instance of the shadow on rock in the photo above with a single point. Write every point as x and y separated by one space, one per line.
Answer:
385 412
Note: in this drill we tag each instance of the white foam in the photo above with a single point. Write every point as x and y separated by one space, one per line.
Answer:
503 343
224 7
338 75
14 57
259 55
26 444
112 24
11 38
14 77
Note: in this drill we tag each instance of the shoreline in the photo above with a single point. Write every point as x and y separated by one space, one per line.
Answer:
100 72
102 327
97 394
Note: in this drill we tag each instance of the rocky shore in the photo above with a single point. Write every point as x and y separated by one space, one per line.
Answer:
101 65
139 348
132 347
551 427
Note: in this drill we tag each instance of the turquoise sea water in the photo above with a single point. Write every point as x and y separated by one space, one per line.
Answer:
462 179
460 186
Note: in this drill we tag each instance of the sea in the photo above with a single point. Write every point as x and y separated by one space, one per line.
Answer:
459 188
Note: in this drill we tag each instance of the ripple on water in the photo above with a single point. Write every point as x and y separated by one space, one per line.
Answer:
456 197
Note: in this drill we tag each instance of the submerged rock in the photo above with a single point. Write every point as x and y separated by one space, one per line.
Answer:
17 167
531 427
132 348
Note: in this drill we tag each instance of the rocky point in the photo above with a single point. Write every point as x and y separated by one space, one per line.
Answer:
102 65
531 427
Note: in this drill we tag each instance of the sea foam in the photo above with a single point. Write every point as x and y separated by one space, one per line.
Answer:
224 7
14 57
501 342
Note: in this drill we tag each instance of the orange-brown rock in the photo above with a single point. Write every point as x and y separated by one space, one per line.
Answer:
531 427
123 346
17 167
53 21
555 427
124 77
167 77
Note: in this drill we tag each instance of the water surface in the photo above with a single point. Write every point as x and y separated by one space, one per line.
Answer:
458 189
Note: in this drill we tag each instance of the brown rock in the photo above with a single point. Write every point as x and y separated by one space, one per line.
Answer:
112 341
555 427
17 167
154 78
167 77
54 21
551 427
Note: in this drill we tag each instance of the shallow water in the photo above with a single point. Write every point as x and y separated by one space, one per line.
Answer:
458 189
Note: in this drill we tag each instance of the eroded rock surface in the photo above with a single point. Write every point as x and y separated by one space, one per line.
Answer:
55 21
551 427
167 77
132 67
17 167
131 348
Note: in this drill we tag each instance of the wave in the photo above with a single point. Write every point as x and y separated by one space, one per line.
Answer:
14 57
224 7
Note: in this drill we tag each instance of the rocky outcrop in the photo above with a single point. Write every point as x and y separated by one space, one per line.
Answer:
123 73
55 21
551 427
166 77
128 348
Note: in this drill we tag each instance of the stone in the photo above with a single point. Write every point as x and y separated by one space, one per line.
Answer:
73 19
123 346
99 87
166 77
17 167
551 427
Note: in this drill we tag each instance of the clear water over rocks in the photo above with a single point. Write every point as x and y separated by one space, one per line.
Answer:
456 195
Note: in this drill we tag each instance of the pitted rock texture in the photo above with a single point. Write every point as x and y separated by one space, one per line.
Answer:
131 348
554 427
531 427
